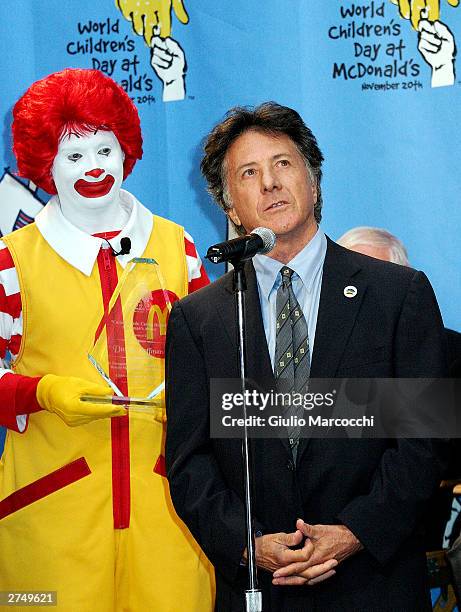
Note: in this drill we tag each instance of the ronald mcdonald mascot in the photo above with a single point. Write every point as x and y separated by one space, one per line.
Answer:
84 504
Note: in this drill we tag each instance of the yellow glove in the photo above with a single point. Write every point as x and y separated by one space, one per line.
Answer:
62 395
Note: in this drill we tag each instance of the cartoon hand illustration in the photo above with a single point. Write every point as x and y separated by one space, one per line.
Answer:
145 15
413 9
437 46
169 64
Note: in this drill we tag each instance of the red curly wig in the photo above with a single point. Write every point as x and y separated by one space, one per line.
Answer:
76 100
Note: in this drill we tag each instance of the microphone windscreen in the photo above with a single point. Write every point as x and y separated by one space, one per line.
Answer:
268 238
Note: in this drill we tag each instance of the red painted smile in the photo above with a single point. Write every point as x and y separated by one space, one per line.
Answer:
95 189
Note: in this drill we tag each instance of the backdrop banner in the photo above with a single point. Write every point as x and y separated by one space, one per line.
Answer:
375 80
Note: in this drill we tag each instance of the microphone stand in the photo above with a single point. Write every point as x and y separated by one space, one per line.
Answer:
253 595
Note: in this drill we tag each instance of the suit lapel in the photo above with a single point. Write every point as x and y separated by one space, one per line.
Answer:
336 316
258 362
337 313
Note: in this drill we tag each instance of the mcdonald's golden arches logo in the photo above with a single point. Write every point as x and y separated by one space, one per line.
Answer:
150 320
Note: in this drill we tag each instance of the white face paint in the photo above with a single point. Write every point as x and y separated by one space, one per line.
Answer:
88 173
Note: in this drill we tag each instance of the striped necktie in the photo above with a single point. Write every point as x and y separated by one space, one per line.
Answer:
292 362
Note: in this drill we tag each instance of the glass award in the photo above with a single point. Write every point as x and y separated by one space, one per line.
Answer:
129 345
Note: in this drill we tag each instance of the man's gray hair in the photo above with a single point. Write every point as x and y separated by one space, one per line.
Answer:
268 118
376 237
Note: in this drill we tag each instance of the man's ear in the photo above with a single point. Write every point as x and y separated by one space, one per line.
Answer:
233 216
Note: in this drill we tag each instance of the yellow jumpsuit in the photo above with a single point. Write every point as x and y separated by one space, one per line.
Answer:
88 512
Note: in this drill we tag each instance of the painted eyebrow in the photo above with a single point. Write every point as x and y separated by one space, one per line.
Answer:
77 135
273 158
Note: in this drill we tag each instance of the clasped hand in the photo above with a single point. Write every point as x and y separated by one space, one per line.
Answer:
324 547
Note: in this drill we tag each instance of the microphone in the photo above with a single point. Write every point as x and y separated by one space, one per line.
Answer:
261 240
125 244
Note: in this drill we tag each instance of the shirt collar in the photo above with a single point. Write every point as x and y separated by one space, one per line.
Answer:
80 249
306 265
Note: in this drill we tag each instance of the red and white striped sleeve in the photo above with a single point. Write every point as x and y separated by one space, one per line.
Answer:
197 275
10 305
17 393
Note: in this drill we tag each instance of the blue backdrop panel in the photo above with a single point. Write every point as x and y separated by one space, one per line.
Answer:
353 69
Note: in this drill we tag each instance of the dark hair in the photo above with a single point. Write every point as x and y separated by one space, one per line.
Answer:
269 118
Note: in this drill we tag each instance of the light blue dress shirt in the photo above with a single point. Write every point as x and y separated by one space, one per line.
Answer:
306 282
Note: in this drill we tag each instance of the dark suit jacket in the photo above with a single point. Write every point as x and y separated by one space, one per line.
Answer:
375 487
454 352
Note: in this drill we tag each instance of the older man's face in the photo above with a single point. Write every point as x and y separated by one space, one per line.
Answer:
269 186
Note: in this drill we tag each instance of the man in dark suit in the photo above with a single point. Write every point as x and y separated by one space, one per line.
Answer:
336 519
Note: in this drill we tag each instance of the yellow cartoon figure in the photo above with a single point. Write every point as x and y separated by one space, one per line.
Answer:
412 9
151 19
436 42
145 15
